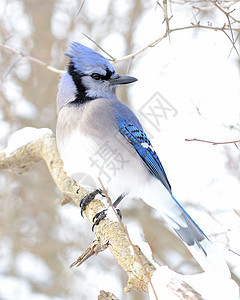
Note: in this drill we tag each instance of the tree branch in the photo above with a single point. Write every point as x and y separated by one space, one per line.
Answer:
109 234
168 31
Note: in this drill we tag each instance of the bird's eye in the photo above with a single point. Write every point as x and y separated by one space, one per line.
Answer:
96 76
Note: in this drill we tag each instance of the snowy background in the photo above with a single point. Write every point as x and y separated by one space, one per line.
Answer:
194 75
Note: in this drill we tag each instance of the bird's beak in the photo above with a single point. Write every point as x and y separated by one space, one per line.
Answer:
121 79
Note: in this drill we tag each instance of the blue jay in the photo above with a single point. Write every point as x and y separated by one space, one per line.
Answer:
93 127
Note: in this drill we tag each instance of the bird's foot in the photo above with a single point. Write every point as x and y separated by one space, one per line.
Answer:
87 199
102 215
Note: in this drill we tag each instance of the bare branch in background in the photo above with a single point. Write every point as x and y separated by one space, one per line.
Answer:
168 31
112 58
193 4
164 8
33 59
80 8
214 143
227 14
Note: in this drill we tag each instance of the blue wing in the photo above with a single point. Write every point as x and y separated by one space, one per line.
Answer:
143 147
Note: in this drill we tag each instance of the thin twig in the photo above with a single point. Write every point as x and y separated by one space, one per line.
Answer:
213 143
129 65
132 55
165 14
33 59
128 237
238 254
228 16
233 47
98 45
231 40
236 212
80 8
158 40
203 8
223 11
12 66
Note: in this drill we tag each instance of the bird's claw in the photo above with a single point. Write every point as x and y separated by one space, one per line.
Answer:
102 215
87 199
99 217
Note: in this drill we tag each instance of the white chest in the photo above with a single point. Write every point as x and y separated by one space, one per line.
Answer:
76 153
111 161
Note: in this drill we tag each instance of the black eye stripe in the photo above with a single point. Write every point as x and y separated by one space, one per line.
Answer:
77 76
97 76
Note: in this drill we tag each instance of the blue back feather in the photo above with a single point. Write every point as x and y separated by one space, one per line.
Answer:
142 145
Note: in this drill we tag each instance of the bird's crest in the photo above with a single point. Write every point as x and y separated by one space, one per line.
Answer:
87 61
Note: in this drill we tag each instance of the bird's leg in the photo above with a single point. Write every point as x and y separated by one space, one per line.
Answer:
102 214
115 204
119 199
87 199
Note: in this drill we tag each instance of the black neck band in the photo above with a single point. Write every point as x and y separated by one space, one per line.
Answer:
81 96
